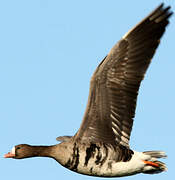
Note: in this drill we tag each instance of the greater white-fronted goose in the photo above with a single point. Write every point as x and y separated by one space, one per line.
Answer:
101 145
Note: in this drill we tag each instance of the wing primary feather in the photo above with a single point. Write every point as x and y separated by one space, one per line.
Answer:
115 83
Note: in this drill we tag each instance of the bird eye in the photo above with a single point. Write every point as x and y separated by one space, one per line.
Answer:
18 148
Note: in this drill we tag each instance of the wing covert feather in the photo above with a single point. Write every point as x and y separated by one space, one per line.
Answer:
115 83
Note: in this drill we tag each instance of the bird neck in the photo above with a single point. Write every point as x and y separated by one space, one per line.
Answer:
44 151
60 152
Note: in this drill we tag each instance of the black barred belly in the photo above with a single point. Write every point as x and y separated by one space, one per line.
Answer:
97 159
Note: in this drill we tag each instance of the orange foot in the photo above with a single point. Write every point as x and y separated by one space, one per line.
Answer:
151 163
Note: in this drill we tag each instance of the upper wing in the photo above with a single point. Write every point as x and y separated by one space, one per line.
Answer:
115 83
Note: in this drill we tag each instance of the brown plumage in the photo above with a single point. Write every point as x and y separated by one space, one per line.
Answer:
101 145
115 83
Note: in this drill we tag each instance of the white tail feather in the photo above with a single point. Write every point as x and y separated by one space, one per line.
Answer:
154 155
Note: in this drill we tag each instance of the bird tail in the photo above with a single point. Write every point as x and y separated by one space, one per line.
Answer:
153 166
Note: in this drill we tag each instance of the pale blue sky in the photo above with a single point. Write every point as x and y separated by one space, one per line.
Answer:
49 50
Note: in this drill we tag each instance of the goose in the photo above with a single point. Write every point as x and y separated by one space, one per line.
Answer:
101 145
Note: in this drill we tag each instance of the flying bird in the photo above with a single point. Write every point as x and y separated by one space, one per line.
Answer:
101 145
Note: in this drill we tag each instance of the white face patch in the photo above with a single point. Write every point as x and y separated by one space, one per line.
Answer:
13 150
